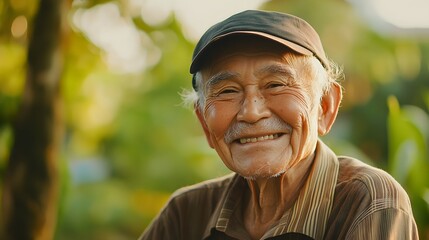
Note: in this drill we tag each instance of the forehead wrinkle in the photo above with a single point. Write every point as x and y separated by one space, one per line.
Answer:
277 69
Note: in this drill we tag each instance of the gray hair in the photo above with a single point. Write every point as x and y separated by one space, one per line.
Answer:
324 78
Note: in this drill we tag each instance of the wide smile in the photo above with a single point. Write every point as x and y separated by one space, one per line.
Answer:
245 140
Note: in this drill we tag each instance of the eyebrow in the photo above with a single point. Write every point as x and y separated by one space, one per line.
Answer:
277 69
218 77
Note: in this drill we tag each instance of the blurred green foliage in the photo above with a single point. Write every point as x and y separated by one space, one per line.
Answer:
408 131
129 142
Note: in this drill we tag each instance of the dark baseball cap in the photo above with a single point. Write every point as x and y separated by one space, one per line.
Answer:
291 31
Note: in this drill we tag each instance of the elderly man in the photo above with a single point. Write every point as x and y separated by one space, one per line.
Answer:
265 91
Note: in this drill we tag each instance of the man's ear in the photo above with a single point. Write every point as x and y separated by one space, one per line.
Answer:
203 124
329 108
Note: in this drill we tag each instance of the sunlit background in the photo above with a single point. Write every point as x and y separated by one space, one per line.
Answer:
129 142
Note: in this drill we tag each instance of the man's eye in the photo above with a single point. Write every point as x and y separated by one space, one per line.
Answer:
227 91
274 85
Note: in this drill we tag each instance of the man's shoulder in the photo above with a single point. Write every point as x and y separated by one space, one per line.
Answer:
190 210
376 183
206 188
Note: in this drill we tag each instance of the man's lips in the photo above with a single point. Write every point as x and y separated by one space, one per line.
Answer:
263 130
244 140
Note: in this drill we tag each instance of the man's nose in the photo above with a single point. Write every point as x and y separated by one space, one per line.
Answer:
253 108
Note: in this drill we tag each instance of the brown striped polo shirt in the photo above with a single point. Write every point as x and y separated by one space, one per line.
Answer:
342 198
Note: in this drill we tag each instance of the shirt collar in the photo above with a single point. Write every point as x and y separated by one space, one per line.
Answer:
309 214
224 209
311 211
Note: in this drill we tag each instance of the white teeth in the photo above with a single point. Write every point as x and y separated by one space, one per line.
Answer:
258 139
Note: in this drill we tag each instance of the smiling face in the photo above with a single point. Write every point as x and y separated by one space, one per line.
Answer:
262 111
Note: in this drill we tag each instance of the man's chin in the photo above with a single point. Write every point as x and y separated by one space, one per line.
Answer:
256 176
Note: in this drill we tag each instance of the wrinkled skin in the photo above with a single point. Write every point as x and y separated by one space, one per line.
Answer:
250 87
262 114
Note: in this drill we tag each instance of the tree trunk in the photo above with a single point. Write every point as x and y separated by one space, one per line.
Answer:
31 180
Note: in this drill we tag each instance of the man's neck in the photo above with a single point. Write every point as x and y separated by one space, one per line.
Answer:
270 198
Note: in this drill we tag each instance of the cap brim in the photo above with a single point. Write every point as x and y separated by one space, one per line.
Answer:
195 65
